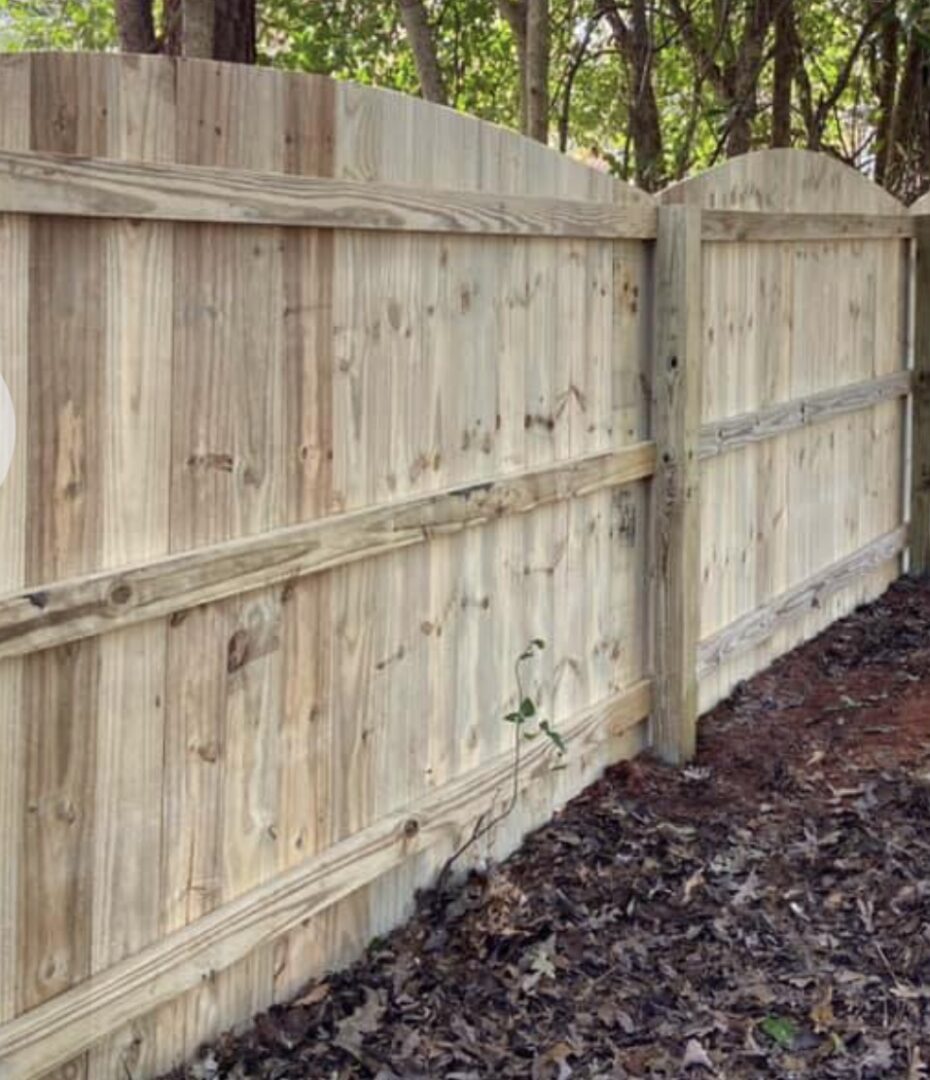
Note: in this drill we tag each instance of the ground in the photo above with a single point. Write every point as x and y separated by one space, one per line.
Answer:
762 912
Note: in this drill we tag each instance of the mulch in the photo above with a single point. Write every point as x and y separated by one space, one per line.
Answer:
764 911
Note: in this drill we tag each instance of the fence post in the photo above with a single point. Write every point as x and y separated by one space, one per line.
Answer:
920 454
675 547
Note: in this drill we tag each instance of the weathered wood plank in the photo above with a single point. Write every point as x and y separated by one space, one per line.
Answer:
759 625
735 226
97 187
721 436
54 1032
84 607
920 460
676 392
15 123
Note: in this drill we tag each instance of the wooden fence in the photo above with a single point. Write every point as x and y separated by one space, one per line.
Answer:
329 401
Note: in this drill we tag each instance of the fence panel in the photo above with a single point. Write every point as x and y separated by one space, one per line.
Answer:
254 662
804 350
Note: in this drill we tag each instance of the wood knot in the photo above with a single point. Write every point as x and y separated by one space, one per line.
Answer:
411 828
120 594
237 652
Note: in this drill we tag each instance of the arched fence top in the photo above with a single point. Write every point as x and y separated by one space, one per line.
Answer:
922 205
785 181
309 125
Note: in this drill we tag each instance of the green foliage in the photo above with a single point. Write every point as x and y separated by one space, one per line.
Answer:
781 1030
527 709
88 25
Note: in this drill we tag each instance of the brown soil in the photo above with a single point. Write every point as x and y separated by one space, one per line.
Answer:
764 912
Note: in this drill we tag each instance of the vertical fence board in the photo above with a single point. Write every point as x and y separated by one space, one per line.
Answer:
15 127
920 465
676 396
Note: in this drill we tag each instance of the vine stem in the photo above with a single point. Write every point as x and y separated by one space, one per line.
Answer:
483 826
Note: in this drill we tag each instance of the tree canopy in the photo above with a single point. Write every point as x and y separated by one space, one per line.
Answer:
652 89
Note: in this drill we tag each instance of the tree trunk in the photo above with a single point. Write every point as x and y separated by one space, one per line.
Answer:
234 31
136 26
887 86
645 128
645 120
514 14
537 70
783 76
743 78
736 82
197 17
171 28
420 35
909 160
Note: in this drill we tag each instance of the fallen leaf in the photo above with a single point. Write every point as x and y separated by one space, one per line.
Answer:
822 1011
363 1021
696 1057
880 1055
693 882
314 996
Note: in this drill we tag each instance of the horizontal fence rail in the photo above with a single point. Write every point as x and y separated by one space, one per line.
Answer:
741 226
720 436
759 625
32 183
64 611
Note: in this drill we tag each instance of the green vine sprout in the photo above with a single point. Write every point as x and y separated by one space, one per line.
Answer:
527 725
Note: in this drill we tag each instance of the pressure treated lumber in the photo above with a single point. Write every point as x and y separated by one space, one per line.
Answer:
83 607
740 226
676 398
759 625
49 1035
32 183
920 461
721 436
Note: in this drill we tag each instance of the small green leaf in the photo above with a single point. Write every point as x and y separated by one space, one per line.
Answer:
780 1029
538 643
553 735
514 718
527 707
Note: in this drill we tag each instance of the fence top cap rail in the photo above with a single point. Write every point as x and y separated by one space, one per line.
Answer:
61 184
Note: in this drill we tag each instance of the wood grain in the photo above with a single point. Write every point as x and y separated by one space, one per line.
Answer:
784 321
70 610
742 226
57 185
15 74
47 1036
733 432
676 397
761 624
